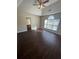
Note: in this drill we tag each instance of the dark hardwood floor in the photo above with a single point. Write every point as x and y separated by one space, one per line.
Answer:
38 45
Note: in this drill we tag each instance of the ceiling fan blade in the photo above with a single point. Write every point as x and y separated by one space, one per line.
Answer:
46 1
43 1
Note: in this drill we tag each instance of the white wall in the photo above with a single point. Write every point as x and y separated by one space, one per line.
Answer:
21 20
19 2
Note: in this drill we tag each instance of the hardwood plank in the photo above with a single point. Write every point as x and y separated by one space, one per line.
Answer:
38 45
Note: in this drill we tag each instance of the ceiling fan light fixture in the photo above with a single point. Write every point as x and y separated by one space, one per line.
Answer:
40 3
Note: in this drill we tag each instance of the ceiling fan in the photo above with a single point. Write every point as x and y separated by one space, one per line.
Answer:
40 3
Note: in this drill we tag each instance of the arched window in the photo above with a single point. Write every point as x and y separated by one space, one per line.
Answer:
51 23
51 17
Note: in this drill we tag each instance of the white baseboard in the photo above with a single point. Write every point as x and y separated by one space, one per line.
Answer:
21 31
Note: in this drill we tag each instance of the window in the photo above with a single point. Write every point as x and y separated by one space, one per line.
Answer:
51 23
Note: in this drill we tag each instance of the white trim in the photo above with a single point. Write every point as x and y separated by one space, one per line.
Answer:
21 31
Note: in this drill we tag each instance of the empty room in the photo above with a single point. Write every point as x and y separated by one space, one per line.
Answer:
38 29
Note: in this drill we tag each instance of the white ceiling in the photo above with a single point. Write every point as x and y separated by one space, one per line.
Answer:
27 6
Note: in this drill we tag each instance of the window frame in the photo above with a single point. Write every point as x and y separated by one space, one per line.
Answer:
46 24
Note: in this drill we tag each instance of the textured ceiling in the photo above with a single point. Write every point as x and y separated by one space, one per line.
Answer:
27 6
